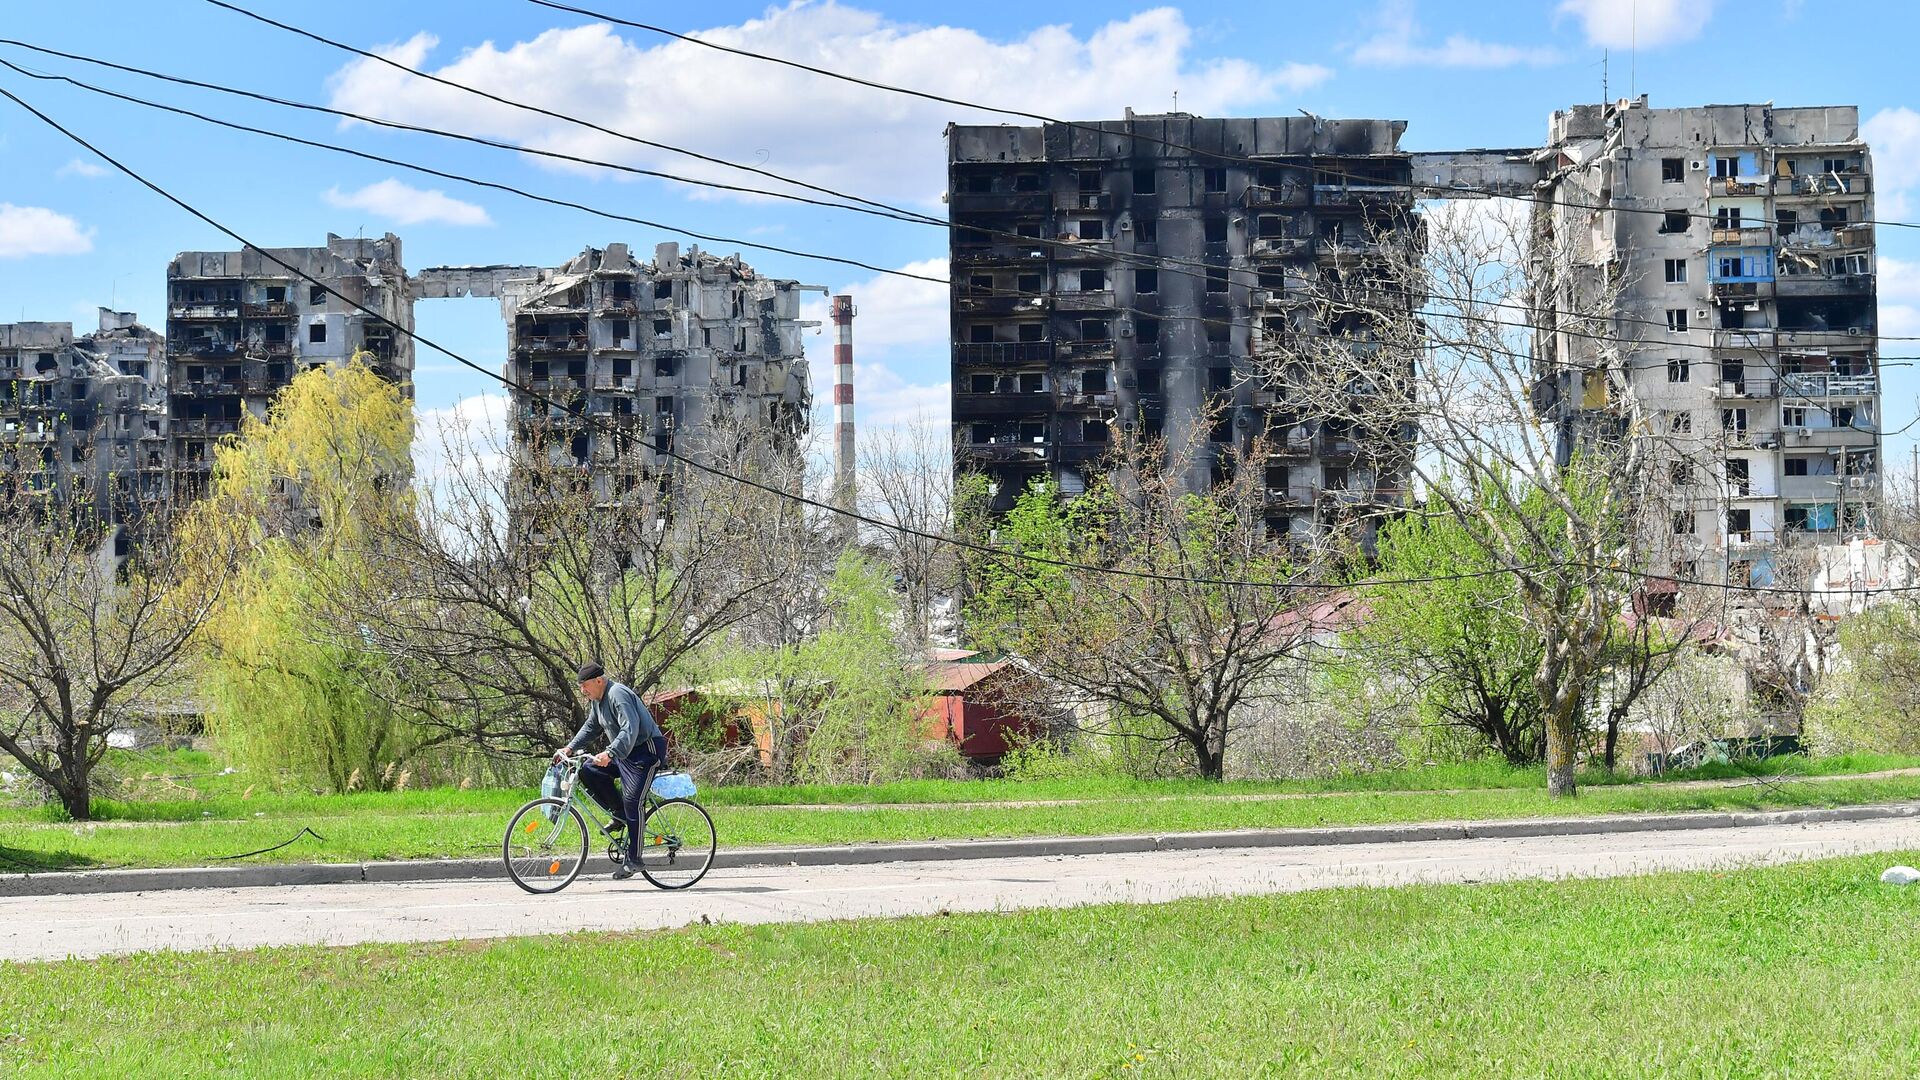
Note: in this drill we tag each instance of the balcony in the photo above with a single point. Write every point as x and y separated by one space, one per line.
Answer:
1275 196
552 343
1085 350
1007 452
1822 185
1852 336
1812 236
1334 448
271 309
1003 352
1085 300
1829 385
1736 389
1361 194
1079 453
1083 200
200 312
1280 247
1007 254
1752 337
1738 290
1814 286
1748 236
1079 401
999 202
999 305
1071 251
996 406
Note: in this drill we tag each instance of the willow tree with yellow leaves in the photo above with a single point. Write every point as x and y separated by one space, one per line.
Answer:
298 495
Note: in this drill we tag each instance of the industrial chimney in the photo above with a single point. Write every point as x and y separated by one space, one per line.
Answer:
842 308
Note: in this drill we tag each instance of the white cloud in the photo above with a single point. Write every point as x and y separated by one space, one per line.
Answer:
1898 284
894 313
1893 137
82 167
36 230
470 433
816 129
1645 24
407 205
900 338
1398 43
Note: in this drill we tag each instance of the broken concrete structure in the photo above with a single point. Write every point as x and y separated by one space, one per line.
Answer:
668 351
240 325
1742 241
85 418
1144 273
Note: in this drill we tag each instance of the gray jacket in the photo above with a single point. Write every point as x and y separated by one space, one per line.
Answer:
622 717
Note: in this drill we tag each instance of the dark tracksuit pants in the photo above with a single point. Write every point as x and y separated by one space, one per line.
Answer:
621 785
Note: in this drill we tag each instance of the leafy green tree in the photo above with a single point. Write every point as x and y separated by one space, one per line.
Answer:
299 493
1455 633
1871 701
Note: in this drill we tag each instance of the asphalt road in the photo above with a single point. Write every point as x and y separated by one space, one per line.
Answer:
50 927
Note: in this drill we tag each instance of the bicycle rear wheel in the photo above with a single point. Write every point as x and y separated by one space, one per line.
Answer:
677 844
545 846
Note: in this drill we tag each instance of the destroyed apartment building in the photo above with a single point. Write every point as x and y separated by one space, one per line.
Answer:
617 364
1144 276
1742 239
241 324
85 418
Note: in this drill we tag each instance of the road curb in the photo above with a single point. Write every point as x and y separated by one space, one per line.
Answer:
234 877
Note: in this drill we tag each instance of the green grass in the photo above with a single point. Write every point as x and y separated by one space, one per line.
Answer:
1802 971
452 823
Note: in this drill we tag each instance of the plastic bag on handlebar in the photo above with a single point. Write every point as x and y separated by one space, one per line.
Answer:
673 785
550 789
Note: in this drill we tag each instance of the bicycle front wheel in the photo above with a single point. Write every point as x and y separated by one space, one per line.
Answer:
545 846
677 844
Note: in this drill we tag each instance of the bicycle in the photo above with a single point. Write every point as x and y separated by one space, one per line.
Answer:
547 839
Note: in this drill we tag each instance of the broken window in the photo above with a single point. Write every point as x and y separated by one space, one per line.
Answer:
1676 271
1277 479
1733 421
1033 382
1147 330
1674 221
1673 170
1684 523
1726 167
1094 431
981 384
1216 279
1146 281
1215 179
665 367
1220 378
1150 380
1222 431
1093 230
622 329
1793 416
1089 181
1093 381
317 295
1738 475
663 290
1096 330
1677 371
317 332
621 289
1680 423
1143 182
622 367
1843 416
980 333
276 294
1031 332
1333 478
1028 229
1786 220
1682 473
1833 217
1031 283
1216 227
1676 319
1726 217
1033 432
1027 181
976 183
1148 231
1093 280
980 285
663 328
1794 466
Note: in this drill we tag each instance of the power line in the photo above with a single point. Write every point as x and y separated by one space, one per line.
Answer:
1074 126
1248 276
587 419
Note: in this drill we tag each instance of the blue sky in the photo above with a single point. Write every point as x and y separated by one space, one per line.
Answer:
1480 74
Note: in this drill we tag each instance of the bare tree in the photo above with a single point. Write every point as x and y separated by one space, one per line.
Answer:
1424 339
1175 623
521 561
906 479
89 637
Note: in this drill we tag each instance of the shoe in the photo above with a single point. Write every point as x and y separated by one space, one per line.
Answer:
626 870
614 827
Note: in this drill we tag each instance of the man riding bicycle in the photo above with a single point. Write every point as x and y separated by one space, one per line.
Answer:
618 777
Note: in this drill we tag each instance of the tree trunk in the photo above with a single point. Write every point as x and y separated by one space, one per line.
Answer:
75 798
1561 738
1613 737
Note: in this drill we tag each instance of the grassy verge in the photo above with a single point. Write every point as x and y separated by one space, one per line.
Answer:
1802 971
450 823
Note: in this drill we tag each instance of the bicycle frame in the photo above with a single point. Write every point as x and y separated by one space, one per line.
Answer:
570 793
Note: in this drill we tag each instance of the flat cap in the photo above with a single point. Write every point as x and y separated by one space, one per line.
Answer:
591 670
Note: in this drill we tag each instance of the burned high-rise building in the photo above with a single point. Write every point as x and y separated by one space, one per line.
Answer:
657 355
1150 274
240 325
84 419
1740 240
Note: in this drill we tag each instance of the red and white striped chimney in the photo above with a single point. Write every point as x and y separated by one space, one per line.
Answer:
842 308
